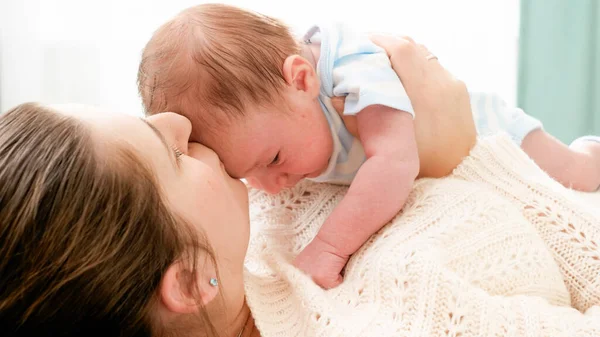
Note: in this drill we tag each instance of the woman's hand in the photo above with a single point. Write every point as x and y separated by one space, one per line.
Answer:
444 124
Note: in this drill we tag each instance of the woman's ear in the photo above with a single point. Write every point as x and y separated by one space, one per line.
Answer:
181 291
301 75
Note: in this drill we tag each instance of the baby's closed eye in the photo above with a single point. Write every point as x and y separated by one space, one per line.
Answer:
276 159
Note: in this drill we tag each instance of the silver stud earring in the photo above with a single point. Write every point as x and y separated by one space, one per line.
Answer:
213 282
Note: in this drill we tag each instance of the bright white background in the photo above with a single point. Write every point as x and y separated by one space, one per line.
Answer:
87 51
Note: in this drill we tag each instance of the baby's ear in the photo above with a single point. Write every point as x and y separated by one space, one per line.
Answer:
300 75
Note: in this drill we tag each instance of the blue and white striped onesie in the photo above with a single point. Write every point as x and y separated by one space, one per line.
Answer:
351 65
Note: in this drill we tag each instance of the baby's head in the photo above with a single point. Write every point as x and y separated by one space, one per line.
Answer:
241 80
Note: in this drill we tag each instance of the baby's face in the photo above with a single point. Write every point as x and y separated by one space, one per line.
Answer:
274 149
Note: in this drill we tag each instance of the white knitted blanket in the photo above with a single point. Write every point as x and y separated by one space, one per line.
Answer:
496 249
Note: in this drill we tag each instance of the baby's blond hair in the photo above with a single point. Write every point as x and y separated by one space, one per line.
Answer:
211 61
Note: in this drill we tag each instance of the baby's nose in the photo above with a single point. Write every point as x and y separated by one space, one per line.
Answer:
292 180
252 181
272 188
270 185
278 183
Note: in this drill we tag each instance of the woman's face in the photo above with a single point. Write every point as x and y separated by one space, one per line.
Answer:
192 177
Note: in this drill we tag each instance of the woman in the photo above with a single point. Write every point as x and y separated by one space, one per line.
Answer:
111 225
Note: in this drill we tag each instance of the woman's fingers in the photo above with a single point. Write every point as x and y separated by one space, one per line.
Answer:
338 103
444 124
392 43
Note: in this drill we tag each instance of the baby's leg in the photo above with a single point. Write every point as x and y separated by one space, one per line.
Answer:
577 166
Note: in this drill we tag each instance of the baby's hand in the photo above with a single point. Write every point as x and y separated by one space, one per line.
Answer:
320 260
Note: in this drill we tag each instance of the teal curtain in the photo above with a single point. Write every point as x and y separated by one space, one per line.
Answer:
559 65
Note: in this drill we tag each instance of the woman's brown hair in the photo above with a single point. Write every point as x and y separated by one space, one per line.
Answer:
84 239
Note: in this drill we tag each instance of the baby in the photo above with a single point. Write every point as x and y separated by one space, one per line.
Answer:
262 100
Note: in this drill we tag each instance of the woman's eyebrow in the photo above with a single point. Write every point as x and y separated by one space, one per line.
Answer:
159 134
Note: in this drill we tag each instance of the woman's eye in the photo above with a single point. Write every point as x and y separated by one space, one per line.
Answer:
177 152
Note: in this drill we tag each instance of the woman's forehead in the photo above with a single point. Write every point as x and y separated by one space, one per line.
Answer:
113 128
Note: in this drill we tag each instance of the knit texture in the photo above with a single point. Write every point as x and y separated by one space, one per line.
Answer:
496 249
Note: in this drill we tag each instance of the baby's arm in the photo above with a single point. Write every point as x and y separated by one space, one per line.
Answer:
383 182
377 193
